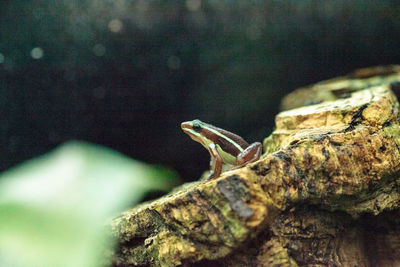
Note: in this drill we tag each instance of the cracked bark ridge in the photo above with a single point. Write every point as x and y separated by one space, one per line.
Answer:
326 191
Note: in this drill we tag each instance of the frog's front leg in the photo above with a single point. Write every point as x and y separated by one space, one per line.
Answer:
215 163
250 154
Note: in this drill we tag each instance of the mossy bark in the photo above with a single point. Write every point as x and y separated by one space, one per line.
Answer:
325 193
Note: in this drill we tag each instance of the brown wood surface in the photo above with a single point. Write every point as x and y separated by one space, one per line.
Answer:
325 193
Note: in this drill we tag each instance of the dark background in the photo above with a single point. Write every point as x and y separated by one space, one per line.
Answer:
125 74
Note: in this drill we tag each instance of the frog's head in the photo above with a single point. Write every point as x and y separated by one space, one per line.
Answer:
194 129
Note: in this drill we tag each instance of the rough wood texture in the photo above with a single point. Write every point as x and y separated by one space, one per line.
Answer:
325 193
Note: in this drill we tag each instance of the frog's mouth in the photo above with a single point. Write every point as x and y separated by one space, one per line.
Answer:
187 129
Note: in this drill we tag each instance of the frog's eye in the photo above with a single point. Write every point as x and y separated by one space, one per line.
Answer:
197 126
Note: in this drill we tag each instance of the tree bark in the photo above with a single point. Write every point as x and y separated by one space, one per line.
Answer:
325 193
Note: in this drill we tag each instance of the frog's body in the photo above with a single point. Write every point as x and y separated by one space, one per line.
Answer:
223 146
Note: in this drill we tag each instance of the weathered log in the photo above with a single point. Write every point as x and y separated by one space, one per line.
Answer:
326 191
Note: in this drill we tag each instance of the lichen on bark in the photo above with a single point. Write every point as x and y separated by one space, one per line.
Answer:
328 179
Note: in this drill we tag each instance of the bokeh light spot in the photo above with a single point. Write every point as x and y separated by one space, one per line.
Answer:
1 58
173 62
99 50
115 25
193 5
37 53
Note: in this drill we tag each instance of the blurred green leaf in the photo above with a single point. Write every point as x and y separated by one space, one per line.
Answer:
54 209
